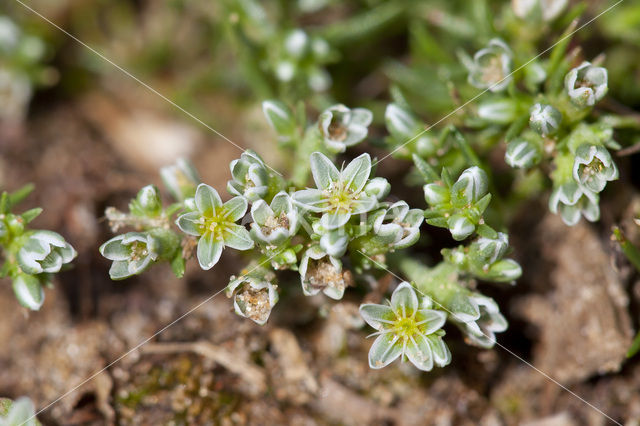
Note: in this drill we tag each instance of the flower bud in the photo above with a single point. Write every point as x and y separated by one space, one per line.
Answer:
280 117
378 187
28 291
545 119
522 154
586 84
487 251
147 201
471 186
436 194
498 111
181 179
250 177
460 226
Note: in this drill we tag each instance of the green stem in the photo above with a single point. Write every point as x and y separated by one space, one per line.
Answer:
440 282
311 142
630 251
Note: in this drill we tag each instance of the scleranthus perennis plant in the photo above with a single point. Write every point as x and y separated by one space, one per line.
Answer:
31 256
333 225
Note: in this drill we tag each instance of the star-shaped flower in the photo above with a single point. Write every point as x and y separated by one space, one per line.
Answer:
340 193
342 127
214 224
406 328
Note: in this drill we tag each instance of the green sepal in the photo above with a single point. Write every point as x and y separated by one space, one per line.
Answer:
483 203
486 231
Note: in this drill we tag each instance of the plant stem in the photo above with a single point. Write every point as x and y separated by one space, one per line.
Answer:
630 251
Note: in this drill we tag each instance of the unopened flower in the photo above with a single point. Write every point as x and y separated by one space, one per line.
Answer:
379 187
181 179
253 297
460 207
342 127
131 253
400 222
280 117
250 176
522 153
321 272
332 241
586 84
479 318
339 194
147 202
594 167
273 224
485 259
408 329
44 252
545 119
408 132
471 186
573 201
214 224
491 67
28 290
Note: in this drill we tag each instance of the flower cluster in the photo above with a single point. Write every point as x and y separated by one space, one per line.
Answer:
331 224
31 256
558 140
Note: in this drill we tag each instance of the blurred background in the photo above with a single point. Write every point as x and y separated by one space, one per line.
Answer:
89 135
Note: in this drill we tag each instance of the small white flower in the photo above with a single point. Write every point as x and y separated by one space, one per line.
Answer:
342 127
594 167
44 252
250 176
253 297
586 84
406 328
321 272
491 67
131 253
274 224
340 194
214 225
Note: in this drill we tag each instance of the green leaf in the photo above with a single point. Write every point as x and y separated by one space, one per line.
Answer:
178 265
635 346
19 195
427 172
31 214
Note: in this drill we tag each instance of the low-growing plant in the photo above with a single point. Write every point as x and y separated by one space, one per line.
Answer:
31 256
338 233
